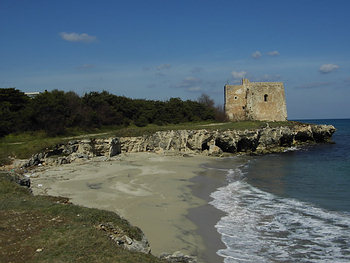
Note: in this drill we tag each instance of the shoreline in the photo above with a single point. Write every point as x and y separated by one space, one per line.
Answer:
205 217
205 183
154 192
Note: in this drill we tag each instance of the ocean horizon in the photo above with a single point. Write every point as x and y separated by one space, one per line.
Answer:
288 207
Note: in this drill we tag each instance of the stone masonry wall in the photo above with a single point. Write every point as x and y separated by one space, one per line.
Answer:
256 101
266 101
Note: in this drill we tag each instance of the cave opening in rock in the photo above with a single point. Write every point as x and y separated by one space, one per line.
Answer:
225 146
205 146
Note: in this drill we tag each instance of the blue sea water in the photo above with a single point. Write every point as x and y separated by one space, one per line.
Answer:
289 207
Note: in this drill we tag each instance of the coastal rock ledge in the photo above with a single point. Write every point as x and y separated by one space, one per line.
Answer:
206 142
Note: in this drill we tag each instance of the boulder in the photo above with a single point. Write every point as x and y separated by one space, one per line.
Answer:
214 150
323 133
178 256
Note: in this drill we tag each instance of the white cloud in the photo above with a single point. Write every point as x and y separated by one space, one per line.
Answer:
274 53
76 37
256 54
239 74
327 68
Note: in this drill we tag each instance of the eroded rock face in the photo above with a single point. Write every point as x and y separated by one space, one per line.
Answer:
230 141
206 142
75 150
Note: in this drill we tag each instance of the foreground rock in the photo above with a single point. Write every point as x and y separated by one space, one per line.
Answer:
178 257
76 150
121 239
207 142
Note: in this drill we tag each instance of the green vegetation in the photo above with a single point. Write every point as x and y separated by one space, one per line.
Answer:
48 229
57 111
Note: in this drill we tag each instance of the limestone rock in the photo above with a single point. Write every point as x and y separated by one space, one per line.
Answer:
322 133
76 150
114 147
178 256
121 239
214 150
206 142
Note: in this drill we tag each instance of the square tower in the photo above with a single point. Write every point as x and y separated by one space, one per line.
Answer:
255 101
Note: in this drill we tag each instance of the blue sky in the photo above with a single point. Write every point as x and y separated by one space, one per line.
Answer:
163 49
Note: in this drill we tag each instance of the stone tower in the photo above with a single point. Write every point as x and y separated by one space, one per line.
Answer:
256 101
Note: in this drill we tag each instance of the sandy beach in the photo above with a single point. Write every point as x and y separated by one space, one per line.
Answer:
163 195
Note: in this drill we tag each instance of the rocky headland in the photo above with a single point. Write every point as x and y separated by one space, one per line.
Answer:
205 142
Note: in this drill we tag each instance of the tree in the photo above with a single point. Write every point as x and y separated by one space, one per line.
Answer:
12 110
219 112
206 100
48 112
56 110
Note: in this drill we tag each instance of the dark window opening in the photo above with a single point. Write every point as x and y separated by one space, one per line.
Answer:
265 97
243 107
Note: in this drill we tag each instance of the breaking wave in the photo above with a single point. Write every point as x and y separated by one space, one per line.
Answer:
262 227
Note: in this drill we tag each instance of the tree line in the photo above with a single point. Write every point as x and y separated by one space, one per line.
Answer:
55 111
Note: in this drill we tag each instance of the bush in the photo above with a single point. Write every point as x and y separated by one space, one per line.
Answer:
141 121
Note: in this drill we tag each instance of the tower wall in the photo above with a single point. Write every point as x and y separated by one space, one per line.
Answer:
266 101
256 101
235 102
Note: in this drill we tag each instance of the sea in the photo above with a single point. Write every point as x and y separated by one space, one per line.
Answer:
288 207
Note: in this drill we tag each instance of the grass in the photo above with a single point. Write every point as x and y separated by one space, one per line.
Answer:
48 229
23 145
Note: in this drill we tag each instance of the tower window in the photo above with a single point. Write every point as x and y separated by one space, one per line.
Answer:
235 97
265 97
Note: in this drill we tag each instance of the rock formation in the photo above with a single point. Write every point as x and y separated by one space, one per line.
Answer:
178 256
215 142
75 150
121 239
206 142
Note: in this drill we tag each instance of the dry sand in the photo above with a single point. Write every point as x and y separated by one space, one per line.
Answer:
151 191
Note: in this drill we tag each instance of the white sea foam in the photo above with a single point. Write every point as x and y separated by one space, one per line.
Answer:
262 227
291 149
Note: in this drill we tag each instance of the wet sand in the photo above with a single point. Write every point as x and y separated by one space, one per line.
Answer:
166 196
206 216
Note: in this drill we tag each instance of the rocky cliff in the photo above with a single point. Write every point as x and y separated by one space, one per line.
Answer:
215 142
207 142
